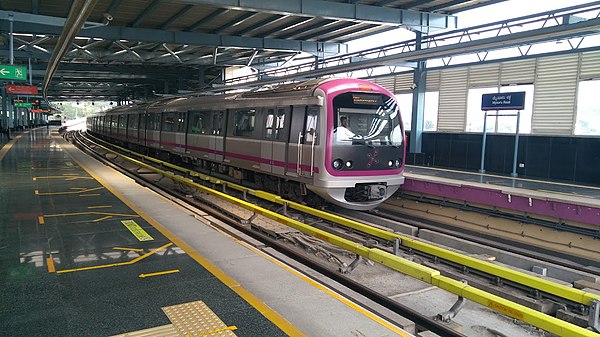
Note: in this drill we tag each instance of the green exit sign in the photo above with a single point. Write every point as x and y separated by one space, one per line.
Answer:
13 72
22 105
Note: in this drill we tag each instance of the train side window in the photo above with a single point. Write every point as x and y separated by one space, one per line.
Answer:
154 121
133 121
270 120
169 122
123 121
181 121
199 122
244 122
311 129
150 122
217 122
114 122
279 126
143 121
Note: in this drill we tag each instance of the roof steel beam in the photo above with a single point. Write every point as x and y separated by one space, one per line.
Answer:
206 19
415 3
306 30
385 2
235 22
294 23
446 5
39 24
338 11
145 13
329 30
260 25
589 27
477 5
177 16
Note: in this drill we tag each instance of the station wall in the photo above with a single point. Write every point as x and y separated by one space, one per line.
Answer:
555 79
551 151
560 158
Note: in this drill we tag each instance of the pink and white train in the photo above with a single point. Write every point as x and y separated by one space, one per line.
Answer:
288 140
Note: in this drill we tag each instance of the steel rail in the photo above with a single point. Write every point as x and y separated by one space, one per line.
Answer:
415 270
421 320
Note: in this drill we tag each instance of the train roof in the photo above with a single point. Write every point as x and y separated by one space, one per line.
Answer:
286 94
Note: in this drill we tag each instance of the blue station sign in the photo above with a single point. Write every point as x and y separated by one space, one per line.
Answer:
503 101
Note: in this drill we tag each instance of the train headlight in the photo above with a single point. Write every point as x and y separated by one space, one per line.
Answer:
337 164
390 163
398 163
349 164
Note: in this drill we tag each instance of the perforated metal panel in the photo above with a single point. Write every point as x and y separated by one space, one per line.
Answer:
386 82
484 75
403 83
453 100
590 65
433 80
517 72
554 99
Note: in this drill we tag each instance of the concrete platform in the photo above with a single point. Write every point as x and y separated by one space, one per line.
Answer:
85 251
579 204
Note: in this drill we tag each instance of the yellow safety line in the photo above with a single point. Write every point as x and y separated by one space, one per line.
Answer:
131 249
321 287
41 219
229 328
50 263
90 195
255 302
101 266
69 192
70 177
94 207
159 273
415 270
91 213
4 150
103 218
241 290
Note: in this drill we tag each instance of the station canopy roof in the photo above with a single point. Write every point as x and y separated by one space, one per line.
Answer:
131 49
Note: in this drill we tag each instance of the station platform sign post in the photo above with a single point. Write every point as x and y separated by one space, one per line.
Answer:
502 102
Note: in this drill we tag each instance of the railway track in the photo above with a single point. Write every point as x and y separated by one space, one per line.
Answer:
356 239
577 251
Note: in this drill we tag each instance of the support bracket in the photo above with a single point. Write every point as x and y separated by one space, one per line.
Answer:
594 313
447 316
352 266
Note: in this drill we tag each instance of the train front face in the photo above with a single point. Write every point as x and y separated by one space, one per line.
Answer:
364 155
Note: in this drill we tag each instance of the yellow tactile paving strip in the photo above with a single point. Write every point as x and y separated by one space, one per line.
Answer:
159 331
196 319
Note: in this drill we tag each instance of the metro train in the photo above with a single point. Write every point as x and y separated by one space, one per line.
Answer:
288 139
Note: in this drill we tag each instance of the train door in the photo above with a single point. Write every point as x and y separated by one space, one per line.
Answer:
180 136
273 149
302 141
142 131
153 125
217 139
132 128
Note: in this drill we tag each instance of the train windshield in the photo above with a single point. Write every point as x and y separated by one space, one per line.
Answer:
366 119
